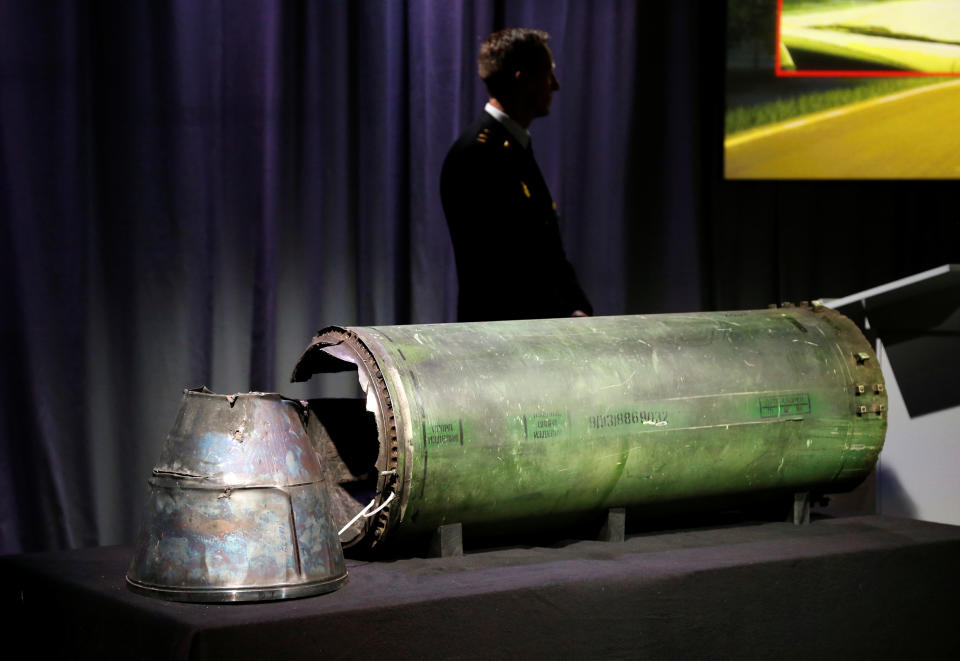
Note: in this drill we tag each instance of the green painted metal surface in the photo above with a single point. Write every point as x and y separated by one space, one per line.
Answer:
523 420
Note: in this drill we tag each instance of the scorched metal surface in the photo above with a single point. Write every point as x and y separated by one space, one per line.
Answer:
498 421
238 508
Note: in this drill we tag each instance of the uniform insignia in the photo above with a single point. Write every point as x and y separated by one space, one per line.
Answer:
554 206
526 191
506 143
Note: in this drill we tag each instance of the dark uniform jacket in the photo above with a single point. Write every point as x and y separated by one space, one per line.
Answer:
503 222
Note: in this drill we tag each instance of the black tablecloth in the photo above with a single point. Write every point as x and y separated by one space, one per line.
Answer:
853 587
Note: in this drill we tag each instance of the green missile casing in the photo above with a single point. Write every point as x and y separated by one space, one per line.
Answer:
488 423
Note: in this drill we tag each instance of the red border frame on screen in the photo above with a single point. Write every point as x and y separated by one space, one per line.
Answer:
828 73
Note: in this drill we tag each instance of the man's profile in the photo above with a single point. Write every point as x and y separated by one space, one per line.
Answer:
502 219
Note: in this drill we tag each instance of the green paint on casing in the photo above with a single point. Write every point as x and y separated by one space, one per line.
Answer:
526 419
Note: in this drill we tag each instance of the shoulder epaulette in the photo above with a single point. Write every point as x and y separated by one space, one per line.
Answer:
483 135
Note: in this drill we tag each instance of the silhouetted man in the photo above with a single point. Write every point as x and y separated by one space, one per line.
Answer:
502 219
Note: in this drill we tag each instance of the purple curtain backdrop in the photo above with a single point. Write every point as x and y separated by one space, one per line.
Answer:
189 190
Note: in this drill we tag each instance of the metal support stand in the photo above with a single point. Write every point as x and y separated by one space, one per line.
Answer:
800 516
447 541
614 527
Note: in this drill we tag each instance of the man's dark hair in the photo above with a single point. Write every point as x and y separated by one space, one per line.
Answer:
507 51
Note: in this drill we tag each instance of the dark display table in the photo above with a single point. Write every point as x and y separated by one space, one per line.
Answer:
857 587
